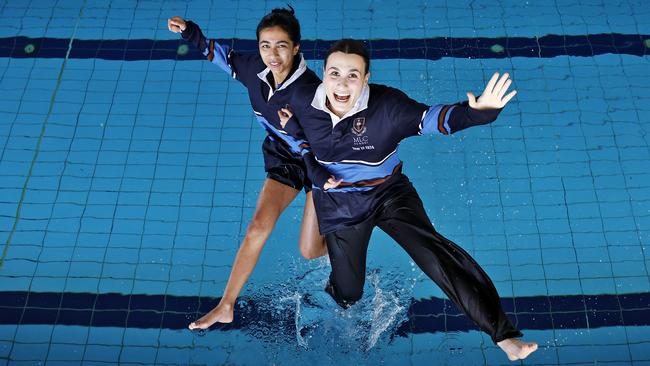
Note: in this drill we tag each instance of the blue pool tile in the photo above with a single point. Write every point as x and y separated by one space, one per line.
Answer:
157 241
23 236
553 226
632 284
565 286
151 271
195 228
529 256
184 288
105 335
65 352
583 227
84 269
118 270
5 348
601 269
159 227
193 242
107 285
46 283
29 351
143 337
82 285
149 287
584 210
18 267
621 224
89 224
138 354
93 240
561 271
33 334
527 288
185 272
612 353
19 251
641 193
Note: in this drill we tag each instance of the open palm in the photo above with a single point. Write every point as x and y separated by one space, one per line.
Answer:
494 96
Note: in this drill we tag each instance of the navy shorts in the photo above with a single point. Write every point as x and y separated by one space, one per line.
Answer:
283 166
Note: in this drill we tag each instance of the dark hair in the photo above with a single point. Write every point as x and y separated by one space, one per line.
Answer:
283 18
350 46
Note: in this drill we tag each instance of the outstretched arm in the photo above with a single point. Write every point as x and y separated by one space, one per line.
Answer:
213 51
447 119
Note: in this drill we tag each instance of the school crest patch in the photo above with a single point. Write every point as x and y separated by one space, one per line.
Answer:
359 126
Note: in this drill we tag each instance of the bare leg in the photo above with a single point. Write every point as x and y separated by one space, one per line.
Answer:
273 199
516 349
312 244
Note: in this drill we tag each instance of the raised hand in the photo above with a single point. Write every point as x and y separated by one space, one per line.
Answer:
176 24
494 96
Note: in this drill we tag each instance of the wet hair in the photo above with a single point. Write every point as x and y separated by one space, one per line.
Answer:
350 46
283 18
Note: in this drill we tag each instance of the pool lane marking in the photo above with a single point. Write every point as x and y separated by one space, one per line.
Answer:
547 46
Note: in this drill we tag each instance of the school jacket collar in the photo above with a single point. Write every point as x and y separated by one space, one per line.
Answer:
320 102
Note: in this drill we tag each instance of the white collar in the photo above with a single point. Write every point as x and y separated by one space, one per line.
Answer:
302 67
320 102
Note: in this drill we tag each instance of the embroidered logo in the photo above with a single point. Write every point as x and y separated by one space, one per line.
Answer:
359 126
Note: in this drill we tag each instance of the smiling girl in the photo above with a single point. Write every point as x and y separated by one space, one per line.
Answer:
354 129
270 76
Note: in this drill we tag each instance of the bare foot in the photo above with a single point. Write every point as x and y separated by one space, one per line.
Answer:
516 349
222 313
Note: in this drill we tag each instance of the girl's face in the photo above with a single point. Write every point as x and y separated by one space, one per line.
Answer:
277 51
344 78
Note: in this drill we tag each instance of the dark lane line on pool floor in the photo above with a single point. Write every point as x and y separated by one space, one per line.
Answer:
423 316
427 48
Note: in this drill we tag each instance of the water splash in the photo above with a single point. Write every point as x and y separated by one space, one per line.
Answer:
386 309
297 299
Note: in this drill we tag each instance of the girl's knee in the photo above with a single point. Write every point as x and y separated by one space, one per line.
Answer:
346 296
258 229
312 249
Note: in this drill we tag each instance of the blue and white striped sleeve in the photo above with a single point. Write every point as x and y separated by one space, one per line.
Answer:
213 51
436 120
446 119
315 171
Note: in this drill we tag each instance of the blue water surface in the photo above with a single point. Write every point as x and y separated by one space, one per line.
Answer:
130 168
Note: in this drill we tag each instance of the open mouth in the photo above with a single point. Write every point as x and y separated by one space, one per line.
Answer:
341 98
274 64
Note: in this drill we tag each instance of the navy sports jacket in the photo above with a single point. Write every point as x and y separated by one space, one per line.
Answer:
257 78
362 147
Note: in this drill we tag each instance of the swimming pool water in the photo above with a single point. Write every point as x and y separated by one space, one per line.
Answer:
129 169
